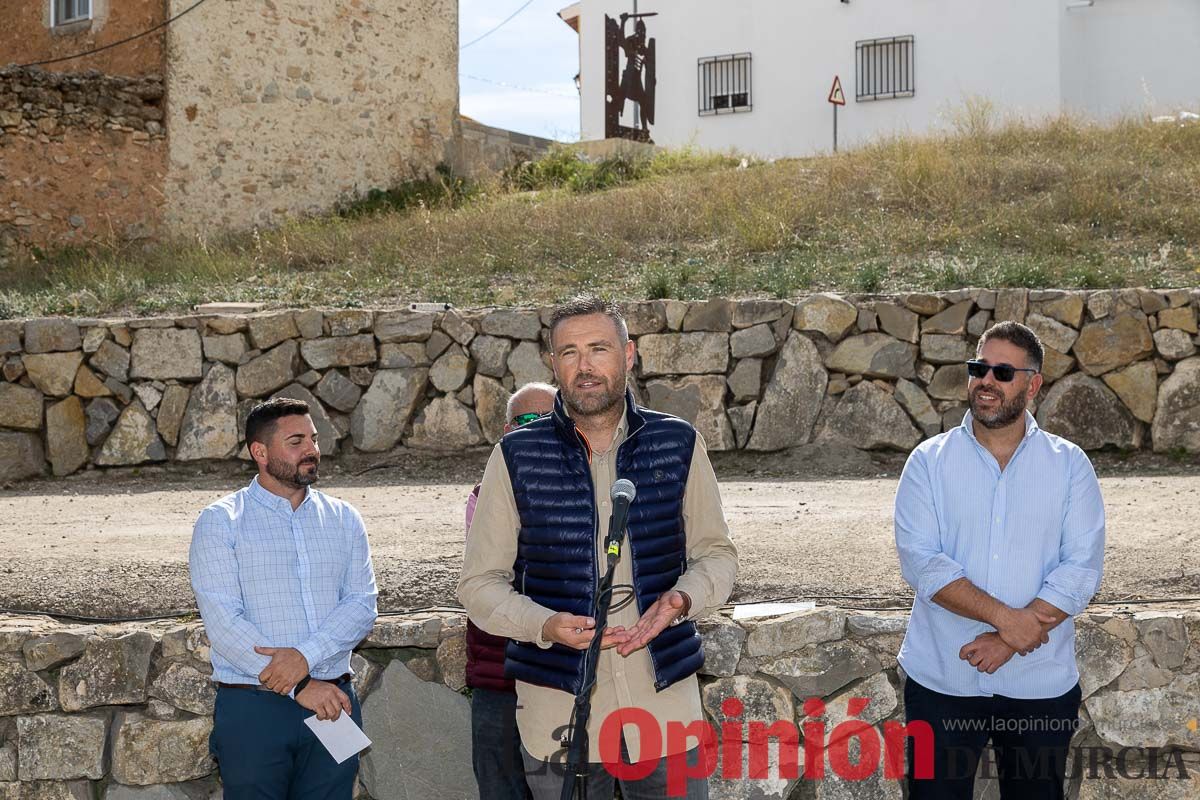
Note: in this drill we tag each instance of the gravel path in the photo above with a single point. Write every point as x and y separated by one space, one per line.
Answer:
116 544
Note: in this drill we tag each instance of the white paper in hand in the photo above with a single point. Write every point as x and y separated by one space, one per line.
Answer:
341 737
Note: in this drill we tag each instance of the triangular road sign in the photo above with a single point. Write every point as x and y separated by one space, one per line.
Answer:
835 94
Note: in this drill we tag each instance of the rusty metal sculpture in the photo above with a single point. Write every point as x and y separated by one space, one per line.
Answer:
636 83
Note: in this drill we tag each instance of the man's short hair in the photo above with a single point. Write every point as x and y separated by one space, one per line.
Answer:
1016 334
584 305
260 425
529 387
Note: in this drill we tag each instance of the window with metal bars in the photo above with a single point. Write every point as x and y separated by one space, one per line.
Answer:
723 84
884 68
66 11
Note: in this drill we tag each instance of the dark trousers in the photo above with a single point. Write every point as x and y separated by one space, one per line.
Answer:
496 746
546 779
1031 739
264 750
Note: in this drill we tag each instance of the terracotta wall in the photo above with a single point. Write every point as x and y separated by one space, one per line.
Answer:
82 157
26 36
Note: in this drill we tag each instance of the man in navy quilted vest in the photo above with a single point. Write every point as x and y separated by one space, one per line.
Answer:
534 553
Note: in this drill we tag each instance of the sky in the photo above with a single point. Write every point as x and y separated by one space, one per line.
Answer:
528 68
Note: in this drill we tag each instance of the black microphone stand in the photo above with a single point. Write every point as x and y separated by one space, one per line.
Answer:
576 775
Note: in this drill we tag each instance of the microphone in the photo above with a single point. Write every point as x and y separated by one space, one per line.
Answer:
622 494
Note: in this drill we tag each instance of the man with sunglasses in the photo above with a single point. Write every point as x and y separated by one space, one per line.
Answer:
495 742
1000 532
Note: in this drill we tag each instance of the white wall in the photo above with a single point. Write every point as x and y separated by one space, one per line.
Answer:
1008 52
1131 57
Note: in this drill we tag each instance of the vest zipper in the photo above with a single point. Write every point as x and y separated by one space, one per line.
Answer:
659 684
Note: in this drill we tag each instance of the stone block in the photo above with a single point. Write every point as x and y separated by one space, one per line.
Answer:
51 335
167 354
147 751
339 351
20 407
111 671
53 374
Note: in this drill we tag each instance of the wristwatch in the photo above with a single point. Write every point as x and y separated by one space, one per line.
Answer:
687 608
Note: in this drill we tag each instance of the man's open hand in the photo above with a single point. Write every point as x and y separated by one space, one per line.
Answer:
577 632
987 653
665 610
324 698
286 669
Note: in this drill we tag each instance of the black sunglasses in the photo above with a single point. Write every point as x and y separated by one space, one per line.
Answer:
1003 372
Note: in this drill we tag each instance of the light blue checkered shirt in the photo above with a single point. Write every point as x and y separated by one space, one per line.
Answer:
266 575
1034 530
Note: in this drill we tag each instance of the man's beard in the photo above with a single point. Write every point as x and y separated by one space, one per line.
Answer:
1008 412
284 472
594 404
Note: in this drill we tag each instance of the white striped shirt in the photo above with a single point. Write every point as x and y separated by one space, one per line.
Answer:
266 575
1034 530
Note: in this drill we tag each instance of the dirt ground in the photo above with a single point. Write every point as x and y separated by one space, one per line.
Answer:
811 524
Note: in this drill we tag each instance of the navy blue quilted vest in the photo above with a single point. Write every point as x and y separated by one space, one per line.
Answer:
556 563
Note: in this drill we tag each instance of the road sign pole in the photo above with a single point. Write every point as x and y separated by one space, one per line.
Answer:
836 98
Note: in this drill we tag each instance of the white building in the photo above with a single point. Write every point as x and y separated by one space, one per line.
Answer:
755 75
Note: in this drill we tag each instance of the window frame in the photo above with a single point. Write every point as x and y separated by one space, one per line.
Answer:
741 83
87 16
898 75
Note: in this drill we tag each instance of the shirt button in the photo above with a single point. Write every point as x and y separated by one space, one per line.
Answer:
995 557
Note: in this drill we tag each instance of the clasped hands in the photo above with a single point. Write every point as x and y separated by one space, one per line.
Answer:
577 632
288 666
1018 630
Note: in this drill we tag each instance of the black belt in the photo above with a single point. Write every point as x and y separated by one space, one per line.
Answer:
338 681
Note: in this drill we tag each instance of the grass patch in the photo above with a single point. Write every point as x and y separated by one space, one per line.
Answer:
1062 203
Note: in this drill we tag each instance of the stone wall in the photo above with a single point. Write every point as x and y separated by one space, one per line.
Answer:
764 375
103 710
278 109
483 150
82 156
26 36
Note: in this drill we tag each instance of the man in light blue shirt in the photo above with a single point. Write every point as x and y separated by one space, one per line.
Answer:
1000 532
282 575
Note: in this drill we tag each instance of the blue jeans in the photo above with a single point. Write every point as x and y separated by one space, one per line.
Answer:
264 750
496 746
546 778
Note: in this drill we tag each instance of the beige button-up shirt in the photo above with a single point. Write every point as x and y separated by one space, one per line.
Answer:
485 589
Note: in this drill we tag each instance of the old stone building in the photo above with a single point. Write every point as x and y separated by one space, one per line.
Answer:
237 113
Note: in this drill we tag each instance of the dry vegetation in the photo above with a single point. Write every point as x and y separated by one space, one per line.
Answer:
1061 203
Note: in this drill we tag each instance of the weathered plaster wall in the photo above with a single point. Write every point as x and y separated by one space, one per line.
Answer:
278 109
26 36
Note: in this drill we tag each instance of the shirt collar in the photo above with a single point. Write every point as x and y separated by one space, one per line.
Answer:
274 501
1031 426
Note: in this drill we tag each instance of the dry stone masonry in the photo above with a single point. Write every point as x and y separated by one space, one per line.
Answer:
764 375
124 711
78 154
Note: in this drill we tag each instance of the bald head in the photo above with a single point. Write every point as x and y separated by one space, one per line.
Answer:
532 398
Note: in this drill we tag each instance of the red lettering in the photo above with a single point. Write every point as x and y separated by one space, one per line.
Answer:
649 737
731 738
787 739
678 770
894 735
